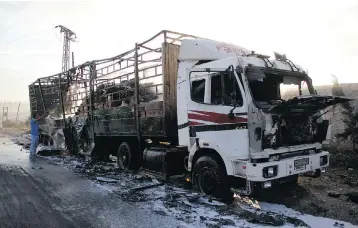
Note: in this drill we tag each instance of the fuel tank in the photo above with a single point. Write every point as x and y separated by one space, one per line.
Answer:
165 161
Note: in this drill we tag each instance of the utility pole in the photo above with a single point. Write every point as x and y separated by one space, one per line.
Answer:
73 60
68 36
5 113
17 114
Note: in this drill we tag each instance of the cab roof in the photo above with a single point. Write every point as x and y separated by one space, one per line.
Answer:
210 50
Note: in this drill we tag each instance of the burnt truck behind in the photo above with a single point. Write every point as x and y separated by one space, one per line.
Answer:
116 106
181 105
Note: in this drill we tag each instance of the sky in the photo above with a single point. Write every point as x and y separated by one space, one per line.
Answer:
320 36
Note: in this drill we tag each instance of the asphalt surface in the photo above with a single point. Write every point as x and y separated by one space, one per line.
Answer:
38 194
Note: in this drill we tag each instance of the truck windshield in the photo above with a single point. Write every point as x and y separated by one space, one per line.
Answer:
272 89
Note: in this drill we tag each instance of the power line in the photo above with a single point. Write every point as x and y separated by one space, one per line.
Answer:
57 36
22 53
19 38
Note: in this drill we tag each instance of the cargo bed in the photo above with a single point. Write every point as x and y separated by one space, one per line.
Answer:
131 94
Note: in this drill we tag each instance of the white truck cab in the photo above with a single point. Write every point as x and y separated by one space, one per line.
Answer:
231 108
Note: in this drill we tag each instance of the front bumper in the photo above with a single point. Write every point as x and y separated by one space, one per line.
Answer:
285 167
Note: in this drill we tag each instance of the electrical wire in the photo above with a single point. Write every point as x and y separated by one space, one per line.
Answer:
6 52
27 36
57 37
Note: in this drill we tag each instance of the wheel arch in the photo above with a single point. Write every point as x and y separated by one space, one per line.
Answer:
211 153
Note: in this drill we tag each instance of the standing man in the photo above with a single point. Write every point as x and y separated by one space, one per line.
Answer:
35 132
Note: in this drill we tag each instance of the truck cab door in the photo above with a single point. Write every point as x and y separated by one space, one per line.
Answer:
217 112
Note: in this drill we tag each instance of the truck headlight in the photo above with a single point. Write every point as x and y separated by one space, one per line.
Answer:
267 184
270 171
323 160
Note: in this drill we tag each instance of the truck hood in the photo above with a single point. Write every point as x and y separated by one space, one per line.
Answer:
309 104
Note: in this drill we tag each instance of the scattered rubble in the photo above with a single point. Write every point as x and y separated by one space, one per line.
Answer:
318 196
326 196
337 224
263 218
107 180
22 139
167 199
344 159
48 151
353 196
334 194
145 187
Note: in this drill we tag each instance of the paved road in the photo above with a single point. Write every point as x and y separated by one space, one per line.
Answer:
55 197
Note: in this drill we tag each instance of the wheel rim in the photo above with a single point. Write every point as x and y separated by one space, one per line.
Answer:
207 181
123 155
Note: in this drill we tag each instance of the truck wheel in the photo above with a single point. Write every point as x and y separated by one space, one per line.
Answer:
124 156
210 177
99 152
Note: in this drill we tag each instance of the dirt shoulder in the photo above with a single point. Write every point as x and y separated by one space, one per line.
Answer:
325 196
12 131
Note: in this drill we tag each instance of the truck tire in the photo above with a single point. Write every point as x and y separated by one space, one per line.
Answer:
100 152
124 156
210 177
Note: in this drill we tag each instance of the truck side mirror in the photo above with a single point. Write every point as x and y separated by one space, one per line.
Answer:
231 115
230 71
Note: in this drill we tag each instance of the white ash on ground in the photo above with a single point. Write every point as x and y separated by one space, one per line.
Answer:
22 139
196 210
180 202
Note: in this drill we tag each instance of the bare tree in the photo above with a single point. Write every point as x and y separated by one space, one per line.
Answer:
350 115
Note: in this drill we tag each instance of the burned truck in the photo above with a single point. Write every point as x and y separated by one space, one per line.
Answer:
177 104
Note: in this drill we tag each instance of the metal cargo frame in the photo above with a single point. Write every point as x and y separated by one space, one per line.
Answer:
131 94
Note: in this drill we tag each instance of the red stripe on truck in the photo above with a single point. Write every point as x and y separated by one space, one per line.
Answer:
193 123
214 117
